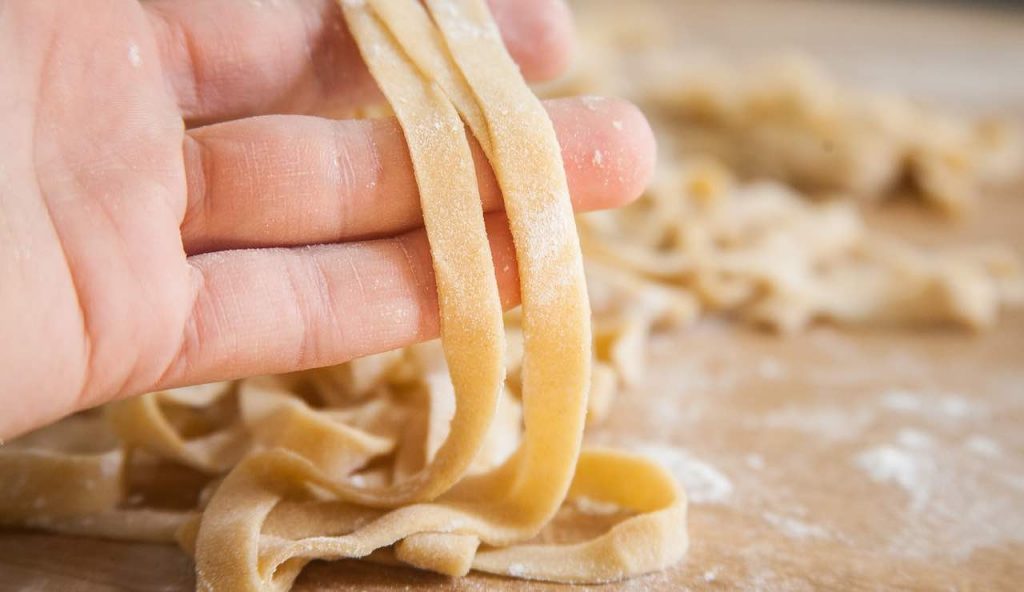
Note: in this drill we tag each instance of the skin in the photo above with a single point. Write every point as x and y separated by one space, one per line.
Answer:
170 213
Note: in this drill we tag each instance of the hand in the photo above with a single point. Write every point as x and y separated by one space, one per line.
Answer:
138 252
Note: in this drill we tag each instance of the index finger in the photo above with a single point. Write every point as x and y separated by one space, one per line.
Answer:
226 59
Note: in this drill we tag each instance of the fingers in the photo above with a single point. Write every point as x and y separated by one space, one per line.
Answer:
226 59
292 180
280 310
285 309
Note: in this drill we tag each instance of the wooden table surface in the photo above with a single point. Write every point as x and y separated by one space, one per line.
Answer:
835 459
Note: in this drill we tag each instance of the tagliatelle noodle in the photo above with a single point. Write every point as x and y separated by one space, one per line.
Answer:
470 308
141 422
467 291
499 121
68 486
514 501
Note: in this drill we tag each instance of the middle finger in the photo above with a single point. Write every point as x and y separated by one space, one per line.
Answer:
281 181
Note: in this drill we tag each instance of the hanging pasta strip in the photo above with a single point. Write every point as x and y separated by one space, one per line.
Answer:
467 291
469 33
527 162
228 542
447 552
650 541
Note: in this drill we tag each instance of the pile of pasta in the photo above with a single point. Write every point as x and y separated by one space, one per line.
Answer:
454 456
786 119
755 211
447 458
783 117
273 465
700 242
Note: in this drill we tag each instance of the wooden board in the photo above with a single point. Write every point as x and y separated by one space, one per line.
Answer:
836 459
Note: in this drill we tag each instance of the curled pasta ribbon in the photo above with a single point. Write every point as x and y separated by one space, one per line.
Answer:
76 493
460 53
141 423
648 542
277 527
58 485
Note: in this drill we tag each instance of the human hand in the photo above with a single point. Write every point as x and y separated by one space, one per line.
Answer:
139 253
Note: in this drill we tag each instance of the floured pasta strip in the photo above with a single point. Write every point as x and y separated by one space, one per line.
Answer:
399 455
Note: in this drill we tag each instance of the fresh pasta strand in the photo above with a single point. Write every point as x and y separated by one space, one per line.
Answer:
513 502
430 456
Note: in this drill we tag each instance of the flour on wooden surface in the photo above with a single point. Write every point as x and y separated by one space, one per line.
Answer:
931 403
829 423
901 400
771 369
955 504
794 528
704 483
906 468
915 439
983 445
